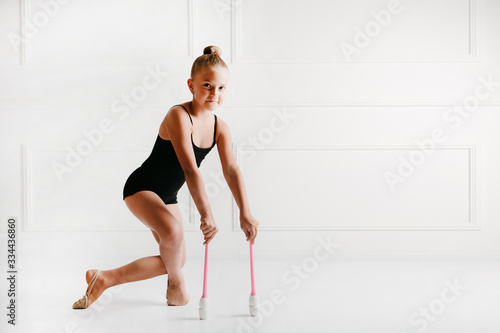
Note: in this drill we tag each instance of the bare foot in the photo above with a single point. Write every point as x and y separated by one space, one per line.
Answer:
176 293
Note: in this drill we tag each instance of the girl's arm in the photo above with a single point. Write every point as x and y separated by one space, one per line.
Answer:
234 179
178 127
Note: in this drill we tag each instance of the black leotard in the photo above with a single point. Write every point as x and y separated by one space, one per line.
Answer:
161 172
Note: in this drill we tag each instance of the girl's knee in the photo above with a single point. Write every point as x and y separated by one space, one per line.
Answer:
171 235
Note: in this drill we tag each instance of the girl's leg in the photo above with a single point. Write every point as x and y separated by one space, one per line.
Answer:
150 209
148 267
140 269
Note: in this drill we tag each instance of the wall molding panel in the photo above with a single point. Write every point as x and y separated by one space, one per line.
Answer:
29 15
447 219
473 24
53 205
327 102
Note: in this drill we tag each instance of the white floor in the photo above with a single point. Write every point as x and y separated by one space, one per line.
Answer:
345 293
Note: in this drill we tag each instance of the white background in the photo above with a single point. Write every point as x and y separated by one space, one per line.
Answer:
315 131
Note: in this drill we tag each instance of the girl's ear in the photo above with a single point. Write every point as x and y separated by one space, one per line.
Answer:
190 85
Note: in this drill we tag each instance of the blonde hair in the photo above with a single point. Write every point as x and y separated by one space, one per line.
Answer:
210 58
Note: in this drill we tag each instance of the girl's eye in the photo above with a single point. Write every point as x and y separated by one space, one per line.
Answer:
222 88
206 85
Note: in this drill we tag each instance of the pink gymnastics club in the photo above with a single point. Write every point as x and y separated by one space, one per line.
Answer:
254 298
204 305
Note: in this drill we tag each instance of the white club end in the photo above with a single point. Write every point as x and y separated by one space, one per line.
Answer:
204 307
254 305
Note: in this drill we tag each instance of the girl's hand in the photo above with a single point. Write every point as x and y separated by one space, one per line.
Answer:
209 228
249 226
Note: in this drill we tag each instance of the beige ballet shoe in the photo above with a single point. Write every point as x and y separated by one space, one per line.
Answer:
82 303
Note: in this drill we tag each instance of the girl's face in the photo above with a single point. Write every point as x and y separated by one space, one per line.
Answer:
209 87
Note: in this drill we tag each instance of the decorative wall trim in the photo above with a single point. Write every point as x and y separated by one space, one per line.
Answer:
357 103
476 31
474 55
475 201
235 32
25 51
190 223
27 190
262 104
30 222
24 10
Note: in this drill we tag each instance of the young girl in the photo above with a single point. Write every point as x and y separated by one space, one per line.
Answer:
186 135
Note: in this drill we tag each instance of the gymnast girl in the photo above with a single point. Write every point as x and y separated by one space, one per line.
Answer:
186 135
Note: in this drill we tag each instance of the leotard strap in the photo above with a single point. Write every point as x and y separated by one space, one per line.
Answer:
187 112
215 124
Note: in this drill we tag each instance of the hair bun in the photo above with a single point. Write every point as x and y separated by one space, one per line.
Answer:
212 50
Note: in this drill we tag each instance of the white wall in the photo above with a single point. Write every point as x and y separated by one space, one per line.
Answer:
321 112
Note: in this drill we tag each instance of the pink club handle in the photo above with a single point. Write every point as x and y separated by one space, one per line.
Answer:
251 269
205 273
